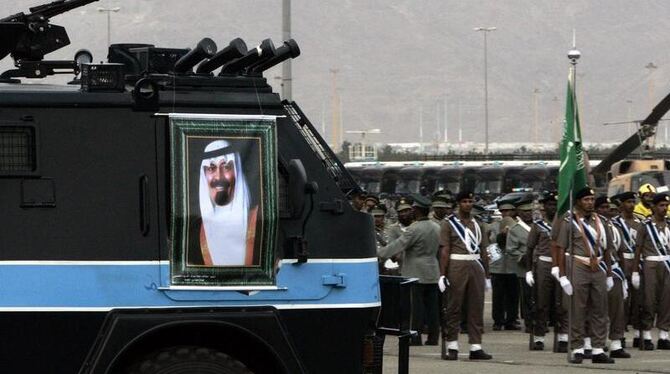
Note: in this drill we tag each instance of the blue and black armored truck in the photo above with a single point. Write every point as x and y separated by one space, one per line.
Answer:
166 212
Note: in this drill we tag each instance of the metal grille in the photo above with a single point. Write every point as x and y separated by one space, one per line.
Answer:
17 149
332 165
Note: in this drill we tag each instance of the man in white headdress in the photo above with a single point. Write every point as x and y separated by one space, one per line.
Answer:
226 235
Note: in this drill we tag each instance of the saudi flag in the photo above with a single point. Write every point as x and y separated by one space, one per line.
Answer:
571 174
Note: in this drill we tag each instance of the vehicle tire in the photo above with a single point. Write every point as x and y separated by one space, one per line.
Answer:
189 360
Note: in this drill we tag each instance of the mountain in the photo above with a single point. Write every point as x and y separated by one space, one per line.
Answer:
397 58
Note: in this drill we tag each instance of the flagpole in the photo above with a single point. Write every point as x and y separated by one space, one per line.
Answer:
573 56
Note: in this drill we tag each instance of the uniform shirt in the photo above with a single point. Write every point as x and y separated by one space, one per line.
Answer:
393 231
539 243
420 245
578 241
515 248
456 246
644 243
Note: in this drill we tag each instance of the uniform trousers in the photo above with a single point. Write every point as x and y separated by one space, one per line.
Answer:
547 289
656 296
504 298
615 303
467 286
590 305
425 305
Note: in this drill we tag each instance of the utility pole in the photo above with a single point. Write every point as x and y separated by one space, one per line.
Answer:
287 77
109 21
335 126
486 30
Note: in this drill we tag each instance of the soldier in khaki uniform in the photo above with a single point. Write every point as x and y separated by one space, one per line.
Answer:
420 244
539 260
619 292
591 274
405 218
629 226
515 250
652 246
464 269
440 207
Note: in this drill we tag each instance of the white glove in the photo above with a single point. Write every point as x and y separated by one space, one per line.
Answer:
556 272
624 287
530 281
443 283
565 284
635 279
610 283
487 285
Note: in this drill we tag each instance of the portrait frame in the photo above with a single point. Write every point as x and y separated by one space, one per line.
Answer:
226 241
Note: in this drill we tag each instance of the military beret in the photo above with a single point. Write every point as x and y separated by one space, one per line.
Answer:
403 203
378 210
602 200
661 197
549 196
620 198
584 192
420 201
465 195
440 202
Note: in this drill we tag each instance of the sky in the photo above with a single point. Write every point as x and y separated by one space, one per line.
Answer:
409 64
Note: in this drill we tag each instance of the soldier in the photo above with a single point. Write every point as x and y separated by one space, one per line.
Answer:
420 244
539 263
515 250
440 207
505 295
652 246
386 266
586 232
394 231
629 226
619 292
643 208
358 200
370 202
464 269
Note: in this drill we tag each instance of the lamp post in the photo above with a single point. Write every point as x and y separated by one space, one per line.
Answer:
109 27
486 30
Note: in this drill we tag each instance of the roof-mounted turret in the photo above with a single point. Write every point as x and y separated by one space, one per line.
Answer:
29 37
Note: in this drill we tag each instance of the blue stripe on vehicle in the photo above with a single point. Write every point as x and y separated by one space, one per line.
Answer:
110 285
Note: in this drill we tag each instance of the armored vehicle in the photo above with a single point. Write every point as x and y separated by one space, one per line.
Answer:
166 212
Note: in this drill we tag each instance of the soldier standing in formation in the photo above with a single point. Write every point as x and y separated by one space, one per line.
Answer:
643 208
629 227
464 279
652 247
619 292
591 274
420 244
515 248
539 262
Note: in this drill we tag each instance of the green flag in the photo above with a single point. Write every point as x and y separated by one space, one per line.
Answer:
572 173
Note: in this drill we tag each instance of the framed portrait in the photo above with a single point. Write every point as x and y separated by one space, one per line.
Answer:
224 188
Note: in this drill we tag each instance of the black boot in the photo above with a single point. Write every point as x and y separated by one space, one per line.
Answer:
577 358
562 347
648 345
601 358
663 344
480 355
538 346
588 353
619 353
452 355
415 340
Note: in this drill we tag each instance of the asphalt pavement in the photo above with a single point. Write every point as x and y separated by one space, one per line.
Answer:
511 355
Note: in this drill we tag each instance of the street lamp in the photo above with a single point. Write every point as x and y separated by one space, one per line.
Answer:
486 30
109 12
